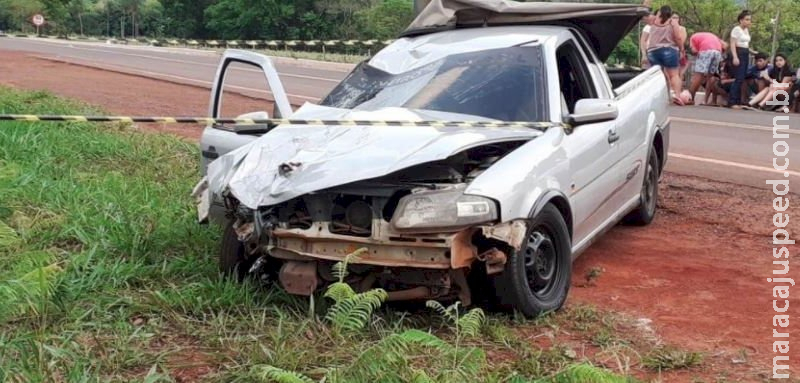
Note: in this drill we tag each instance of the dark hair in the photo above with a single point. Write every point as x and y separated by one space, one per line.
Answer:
783 56
786 70
666 13
744 14
761 56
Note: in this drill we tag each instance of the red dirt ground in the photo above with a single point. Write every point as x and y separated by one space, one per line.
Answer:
698 272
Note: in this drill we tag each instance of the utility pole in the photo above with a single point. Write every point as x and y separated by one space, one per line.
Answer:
775 31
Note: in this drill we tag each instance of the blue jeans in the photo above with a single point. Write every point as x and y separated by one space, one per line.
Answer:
666 57
735 96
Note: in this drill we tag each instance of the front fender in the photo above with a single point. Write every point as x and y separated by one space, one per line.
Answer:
522 178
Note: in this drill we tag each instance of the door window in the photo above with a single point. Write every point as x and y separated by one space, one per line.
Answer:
573 76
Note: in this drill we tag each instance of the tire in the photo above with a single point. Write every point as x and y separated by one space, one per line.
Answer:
536 279
233 260
646 211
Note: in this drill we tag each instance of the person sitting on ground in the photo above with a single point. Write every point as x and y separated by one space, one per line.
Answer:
781 73
757 77
720 84
794 94
708 48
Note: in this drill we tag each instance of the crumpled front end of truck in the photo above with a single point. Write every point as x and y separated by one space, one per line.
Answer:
301 199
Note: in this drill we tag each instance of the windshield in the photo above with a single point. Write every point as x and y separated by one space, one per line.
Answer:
504 84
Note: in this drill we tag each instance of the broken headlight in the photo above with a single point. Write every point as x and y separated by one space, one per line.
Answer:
442 211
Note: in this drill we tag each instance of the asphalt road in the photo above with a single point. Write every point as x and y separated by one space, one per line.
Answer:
721 144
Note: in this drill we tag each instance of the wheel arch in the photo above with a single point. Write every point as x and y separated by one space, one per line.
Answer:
560 201
658 146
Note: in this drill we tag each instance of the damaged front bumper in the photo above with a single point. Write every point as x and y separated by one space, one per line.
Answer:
388 248
407 265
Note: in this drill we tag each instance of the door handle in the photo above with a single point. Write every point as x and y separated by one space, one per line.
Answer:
612 136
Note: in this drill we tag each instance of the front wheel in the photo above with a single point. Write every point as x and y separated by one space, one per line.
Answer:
536 279
233 260
646 211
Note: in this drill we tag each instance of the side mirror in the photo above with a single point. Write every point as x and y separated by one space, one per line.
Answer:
252 129
593 110
260 115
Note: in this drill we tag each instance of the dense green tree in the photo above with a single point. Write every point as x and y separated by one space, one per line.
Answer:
243 19
16 14
185 18
385 19
776 22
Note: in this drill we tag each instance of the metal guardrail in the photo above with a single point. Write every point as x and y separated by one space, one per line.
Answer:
217 43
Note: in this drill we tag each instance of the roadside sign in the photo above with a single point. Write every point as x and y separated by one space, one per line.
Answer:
38 21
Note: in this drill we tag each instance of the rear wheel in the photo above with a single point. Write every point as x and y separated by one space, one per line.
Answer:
233 260
536 279
646 211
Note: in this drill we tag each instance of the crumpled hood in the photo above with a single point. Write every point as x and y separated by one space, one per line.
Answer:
293 160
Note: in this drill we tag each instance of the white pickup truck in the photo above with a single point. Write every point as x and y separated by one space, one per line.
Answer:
494 215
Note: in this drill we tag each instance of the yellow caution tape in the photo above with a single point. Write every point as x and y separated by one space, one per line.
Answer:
272 122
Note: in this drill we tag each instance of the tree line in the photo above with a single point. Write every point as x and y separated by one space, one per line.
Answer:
213 19
774 20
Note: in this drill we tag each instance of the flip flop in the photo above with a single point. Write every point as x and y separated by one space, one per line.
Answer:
678 101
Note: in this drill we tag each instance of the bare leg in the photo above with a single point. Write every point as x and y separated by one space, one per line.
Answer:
675 81
759 97
666 76
720 91
711 91
697 80
770 93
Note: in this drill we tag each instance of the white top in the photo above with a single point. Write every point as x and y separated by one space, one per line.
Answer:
646 29
742 36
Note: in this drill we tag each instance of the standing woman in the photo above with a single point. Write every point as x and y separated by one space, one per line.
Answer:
740 54
664 49
684 60
643 40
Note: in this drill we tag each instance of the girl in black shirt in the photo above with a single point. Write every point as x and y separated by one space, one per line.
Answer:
781 73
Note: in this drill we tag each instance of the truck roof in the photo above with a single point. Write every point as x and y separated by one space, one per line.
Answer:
603 24
409 53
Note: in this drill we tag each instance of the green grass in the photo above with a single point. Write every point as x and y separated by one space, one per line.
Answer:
106 277
671 358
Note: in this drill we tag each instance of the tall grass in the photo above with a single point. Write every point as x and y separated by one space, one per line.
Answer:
96 233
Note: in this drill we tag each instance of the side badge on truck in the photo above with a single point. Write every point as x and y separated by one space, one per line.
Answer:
633 172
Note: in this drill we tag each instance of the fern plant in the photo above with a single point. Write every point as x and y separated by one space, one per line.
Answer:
351 311
465 362
468 325
388 359
277 375
580 373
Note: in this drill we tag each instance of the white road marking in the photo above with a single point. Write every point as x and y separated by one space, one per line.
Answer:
785 173
116 52
164 75
732 125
